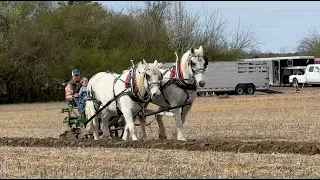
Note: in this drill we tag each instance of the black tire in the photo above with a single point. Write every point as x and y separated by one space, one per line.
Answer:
217 93
295 82
250 89
239 90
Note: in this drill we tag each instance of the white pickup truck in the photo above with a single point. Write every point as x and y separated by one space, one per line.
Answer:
310 76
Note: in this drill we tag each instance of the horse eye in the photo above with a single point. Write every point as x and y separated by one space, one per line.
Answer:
192 63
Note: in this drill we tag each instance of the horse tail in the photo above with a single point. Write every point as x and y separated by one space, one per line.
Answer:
90 105
88 112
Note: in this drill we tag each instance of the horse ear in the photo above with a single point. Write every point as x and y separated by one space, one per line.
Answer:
192 50
156 63
201 49
145 63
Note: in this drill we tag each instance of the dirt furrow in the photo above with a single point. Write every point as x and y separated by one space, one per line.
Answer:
307 148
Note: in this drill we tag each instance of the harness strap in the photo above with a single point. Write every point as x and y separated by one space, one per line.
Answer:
114 95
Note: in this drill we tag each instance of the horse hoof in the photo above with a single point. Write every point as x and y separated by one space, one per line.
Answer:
182 139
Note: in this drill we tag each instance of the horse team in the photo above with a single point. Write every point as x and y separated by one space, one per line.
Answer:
145 83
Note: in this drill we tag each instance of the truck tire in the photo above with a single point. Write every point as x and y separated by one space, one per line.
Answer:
250 89
295 82
240 90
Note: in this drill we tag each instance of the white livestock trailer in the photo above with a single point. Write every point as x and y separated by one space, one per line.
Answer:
234 76
280 68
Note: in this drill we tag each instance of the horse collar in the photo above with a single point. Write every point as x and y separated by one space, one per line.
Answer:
134 93
132 84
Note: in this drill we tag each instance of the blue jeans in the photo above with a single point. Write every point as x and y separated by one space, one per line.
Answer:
76 102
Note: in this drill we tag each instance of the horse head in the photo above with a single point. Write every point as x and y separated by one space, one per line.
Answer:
151 78
196 64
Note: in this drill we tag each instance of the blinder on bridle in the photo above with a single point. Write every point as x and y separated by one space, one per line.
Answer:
151 84
200 70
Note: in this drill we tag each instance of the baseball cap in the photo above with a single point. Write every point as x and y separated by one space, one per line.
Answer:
75 72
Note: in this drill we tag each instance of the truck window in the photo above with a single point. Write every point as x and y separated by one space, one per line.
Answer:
311 68
316 69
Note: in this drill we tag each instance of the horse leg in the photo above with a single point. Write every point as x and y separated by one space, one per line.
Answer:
162 129
179 124
105 126
185 111
127 113
125 135
142 120
96 128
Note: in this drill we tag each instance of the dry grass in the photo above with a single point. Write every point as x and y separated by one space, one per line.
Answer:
291 117
152 163
18 162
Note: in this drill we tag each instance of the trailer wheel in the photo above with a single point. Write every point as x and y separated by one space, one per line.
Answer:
239 90
250 89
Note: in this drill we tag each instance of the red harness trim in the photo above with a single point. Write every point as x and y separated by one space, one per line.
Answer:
173 71
134 82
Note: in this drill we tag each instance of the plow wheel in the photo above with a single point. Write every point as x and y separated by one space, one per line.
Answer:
116 125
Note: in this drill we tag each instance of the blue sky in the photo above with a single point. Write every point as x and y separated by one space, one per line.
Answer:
278 24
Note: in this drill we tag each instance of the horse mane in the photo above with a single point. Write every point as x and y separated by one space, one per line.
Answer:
140 81
184 62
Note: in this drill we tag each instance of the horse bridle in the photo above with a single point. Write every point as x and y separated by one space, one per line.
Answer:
198 71
150 85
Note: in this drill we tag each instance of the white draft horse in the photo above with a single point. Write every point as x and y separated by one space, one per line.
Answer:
178 87
104 86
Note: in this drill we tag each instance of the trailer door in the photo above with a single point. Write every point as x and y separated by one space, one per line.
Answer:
276 72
